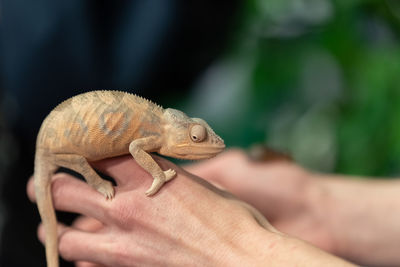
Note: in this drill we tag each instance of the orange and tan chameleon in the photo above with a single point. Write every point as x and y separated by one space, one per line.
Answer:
103 124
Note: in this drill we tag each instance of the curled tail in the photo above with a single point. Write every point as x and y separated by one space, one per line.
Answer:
44 169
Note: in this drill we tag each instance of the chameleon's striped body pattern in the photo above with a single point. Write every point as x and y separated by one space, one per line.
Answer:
106 120
103 124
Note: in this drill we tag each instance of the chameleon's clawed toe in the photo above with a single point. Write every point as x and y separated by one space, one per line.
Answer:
106 189
169 174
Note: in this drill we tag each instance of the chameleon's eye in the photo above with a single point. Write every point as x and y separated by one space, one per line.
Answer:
198 133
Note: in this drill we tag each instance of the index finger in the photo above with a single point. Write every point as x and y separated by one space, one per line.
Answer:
127 172
124 170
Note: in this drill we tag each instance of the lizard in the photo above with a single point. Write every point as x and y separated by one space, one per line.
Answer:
103 124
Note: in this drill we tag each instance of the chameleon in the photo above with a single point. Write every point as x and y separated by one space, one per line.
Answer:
104 124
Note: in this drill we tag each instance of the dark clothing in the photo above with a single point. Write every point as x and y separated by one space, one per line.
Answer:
51 50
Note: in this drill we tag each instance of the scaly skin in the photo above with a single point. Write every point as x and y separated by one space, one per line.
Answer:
103 124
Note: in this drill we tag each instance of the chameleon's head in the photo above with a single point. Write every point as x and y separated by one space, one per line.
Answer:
188 138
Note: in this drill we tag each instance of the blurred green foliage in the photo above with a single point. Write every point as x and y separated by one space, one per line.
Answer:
319 79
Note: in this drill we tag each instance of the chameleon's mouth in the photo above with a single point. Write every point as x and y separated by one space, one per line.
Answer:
199 151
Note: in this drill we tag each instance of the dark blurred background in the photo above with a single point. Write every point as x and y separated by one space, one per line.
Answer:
318 79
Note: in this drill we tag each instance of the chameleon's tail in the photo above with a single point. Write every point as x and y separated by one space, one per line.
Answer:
44 169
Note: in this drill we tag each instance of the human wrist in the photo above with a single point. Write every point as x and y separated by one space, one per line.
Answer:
338 202
305 254
256 246
278 249
361 215
320 206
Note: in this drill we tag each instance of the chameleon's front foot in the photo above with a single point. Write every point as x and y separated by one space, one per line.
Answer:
159 181
106 189
169 174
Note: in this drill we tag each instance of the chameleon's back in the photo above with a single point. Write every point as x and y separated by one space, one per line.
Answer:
97 124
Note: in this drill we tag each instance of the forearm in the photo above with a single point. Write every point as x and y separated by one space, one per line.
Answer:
363 216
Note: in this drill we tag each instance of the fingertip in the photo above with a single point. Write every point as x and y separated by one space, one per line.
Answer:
41 232
87 224
30 189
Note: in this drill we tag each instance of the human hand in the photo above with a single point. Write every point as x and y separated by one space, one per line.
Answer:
284 192
189 222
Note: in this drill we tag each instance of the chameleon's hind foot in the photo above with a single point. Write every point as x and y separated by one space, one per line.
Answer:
106 189
155 186
169 174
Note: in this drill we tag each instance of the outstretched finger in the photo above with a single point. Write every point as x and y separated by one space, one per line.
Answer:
127 172
73 195
124 170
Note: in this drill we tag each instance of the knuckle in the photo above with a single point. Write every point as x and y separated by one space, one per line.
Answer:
120 255
124 213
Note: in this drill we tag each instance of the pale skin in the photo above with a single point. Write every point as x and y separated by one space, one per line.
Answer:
189 223
103 124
